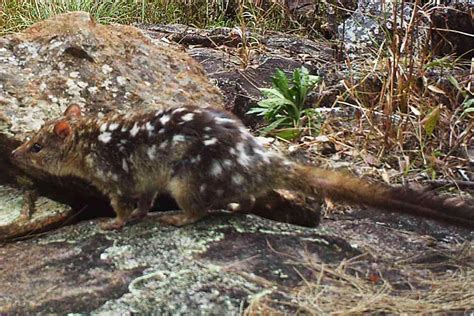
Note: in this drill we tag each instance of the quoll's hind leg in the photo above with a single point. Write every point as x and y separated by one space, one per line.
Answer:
123 207
145 202
192 209
190 213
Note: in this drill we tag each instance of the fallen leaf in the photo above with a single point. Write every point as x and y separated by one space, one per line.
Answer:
431 120
435 89
385 176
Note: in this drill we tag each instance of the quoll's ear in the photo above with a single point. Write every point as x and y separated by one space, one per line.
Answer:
62 129
73 110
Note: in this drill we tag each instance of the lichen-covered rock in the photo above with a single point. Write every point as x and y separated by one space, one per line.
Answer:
232 264
72 59
214 267
17 216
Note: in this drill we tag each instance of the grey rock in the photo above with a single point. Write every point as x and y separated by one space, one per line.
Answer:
150 268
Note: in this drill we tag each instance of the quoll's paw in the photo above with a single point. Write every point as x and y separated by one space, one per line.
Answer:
138 215
112 225
180 218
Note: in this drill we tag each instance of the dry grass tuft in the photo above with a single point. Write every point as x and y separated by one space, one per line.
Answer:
338 292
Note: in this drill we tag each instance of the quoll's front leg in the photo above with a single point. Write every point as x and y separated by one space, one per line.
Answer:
123 207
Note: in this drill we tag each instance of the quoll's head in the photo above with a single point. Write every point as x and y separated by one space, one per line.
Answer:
46 150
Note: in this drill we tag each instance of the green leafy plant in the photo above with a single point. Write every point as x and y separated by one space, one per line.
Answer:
468 103
283 105
468 106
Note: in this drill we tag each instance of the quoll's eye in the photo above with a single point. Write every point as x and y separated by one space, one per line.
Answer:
35 148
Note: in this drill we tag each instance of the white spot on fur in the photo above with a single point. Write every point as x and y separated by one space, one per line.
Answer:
232 151
227 162
164 119
135 129
265 155
223 120
188 117
207 129
209 142
163 145
243 158
149 127
151 152
103 127
178 138
113 126
158 113
105 137
216 169
124 129
125 165
237 179
195 159
202 188
178 110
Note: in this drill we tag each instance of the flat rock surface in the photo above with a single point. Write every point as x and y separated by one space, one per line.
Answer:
223 265
152 268
16 218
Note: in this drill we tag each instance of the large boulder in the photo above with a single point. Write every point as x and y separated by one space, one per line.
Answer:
72 59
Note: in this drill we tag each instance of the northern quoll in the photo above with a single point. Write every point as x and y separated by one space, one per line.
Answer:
203 157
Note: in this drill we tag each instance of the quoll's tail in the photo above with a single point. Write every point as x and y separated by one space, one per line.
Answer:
345 188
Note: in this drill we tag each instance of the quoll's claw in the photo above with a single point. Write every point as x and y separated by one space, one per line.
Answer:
112 225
